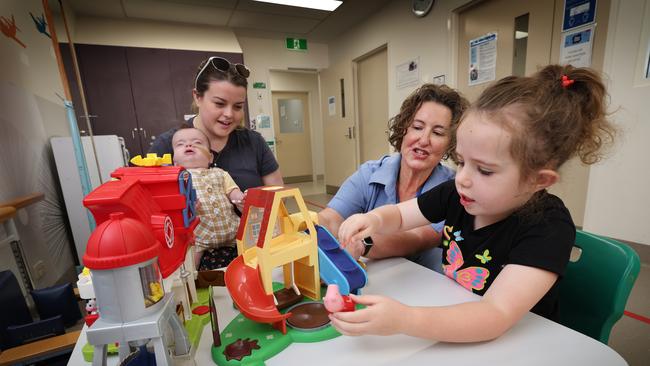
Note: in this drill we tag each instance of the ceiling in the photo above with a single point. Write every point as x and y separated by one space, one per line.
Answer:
245 17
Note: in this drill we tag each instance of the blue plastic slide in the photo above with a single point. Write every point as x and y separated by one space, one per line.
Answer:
337 266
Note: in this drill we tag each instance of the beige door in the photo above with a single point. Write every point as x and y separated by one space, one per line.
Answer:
500 16
372 97
521 53
292 135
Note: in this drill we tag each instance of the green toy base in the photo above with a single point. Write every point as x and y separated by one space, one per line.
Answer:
270 340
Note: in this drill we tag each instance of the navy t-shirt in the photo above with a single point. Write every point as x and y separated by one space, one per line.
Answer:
246 156
542 238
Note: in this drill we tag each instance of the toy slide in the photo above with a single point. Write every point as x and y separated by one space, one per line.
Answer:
337 267
246 289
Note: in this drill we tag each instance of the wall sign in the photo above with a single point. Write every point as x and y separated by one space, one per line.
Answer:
578 13
577 46
482 59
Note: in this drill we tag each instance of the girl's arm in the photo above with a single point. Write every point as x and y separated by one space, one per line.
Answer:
391 245
382 220
513 293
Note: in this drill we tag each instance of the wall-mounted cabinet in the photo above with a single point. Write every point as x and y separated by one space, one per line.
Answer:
135 93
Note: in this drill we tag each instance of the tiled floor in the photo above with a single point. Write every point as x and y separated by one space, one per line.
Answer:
630 337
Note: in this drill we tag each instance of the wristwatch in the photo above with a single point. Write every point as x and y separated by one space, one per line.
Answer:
367 243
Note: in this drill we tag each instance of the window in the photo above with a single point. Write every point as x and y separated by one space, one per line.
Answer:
151 281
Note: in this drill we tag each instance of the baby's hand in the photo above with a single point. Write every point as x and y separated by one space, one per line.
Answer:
237 197
357 227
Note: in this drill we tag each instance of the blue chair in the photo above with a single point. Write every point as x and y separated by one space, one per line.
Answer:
595 288
57 300
57 307
14 309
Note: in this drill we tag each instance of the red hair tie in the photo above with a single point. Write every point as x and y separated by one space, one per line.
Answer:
566 82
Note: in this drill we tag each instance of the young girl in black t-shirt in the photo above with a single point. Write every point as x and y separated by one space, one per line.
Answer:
505 237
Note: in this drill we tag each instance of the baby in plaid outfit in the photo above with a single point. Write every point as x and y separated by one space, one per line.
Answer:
215 189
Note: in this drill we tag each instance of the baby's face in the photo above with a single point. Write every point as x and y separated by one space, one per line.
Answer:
191 149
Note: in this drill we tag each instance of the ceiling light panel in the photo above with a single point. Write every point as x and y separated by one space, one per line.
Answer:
327 5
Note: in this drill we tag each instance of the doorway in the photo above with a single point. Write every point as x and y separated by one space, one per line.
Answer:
292 135
372 99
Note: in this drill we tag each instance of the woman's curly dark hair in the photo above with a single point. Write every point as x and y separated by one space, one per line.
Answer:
441 94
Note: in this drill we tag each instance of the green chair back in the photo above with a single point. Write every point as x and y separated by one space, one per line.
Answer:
595 288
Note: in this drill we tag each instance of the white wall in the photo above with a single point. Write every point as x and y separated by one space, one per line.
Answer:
152 34
618 197
31 113
406 38
264 55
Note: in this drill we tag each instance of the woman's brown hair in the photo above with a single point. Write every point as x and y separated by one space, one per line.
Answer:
441 94
211 73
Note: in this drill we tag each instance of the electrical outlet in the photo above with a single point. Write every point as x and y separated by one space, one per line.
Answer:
38 270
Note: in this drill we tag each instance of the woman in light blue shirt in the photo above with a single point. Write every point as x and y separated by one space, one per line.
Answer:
422 132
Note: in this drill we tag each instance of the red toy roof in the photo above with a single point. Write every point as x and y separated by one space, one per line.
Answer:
119 242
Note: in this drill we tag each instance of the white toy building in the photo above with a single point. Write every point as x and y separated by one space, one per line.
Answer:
134 309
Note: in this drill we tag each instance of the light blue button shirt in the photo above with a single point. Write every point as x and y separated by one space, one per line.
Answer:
374 184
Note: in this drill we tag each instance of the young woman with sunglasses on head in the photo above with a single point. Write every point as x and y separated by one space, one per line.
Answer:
219 95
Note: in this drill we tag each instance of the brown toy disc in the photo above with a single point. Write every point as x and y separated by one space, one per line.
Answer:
308 316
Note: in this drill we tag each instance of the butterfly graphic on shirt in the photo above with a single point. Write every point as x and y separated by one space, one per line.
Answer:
485 257
450 230
472 278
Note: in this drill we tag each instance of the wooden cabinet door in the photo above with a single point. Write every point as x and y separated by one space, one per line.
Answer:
183 66
153 96
105 74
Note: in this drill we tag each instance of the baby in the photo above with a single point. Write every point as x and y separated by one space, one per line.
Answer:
216 191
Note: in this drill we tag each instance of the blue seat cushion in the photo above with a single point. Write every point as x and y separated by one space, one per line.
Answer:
57 300
14 309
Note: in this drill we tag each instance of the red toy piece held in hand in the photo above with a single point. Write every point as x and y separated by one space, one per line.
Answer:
335 302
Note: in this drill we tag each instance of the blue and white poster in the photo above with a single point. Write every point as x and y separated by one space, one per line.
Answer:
482 59
577 46
578 13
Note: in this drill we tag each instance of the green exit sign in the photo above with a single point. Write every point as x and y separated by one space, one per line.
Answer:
297 44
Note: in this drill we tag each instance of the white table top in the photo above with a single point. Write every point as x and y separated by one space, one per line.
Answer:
533 341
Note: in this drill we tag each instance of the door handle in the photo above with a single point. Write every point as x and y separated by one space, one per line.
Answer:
144 131
350 134
133 131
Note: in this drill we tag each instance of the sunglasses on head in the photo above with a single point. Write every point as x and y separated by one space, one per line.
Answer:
222 65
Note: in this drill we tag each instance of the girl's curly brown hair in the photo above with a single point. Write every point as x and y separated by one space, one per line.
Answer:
551 122
441 94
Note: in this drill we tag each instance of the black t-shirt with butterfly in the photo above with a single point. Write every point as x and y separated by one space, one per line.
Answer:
541 238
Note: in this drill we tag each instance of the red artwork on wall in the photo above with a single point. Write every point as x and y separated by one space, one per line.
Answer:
9 29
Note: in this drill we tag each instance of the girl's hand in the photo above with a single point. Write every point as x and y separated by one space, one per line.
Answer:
382 316
355 249
357 227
